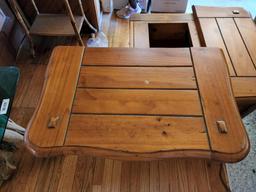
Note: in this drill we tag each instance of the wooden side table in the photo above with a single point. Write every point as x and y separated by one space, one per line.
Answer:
138 104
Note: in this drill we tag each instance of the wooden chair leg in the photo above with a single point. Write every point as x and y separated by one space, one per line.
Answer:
32 46
73 22
14 6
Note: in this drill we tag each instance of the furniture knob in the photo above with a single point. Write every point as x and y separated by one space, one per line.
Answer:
53 122
235 12
222 127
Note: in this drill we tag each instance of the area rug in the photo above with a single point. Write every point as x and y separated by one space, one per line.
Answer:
242 175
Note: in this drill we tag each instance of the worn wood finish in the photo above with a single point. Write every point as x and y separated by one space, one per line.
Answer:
162 133
137 57
235 34
215 27
219 106
137 77
213 38
71 172
62 75
162 17
247 29
204 11
143 102
244 86
117 119
236 48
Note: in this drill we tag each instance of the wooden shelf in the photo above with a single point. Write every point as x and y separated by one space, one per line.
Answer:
55 25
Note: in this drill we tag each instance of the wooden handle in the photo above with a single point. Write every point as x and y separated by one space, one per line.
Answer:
53 122
236 12
222 127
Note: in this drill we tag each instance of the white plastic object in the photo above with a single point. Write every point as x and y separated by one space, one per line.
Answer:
98 40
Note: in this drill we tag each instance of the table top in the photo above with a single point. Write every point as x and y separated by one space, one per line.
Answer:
230 28
138 104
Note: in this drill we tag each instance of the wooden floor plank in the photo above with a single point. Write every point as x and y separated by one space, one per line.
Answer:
135 177
107 176
67 173
144 177
164 175
99 168
126 176
154 183
80 173
116 177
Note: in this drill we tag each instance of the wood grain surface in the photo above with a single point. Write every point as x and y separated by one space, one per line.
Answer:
213 38
137 77
57 98
205 11
84 173
244 86
236 48
137 134
218 103
137 57
144 102
115 115
141 34
235 34
247 28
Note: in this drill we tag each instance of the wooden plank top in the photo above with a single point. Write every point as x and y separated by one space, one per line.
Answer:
235 34
205 11
164 104
220 27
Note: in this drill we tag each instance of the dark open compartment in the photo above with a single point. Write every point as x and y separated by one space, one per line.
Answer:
169 35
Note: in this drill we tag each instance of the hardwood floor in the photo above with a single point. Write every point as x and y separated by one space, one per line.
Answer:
81 173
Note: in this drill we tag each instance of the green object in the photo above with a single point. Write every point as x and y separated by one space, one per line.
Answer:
8 81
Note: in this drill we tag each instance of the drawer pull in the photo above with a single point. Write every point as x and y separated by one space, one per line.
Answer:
236 12
53 122
222 127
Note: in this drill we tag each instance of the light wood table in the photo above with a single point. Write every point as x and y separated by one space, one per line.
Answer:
230 28
138 104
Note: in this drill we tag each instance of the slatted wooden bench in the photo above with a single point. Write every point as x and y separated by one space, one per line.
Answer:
230 28
138 104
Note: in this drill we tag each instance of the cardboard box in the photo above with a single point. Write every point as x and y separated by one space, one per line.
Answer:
118 4
171 6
